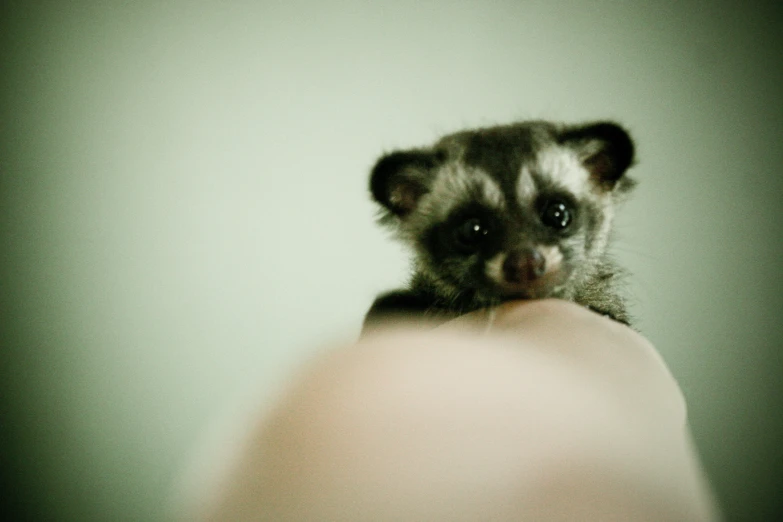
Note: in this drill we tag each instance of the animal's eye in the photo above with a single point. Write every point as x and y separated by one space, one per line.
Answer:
556 214
471 233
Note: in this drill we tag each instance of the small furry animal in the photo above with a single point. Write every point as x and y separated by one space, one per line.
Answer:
519 211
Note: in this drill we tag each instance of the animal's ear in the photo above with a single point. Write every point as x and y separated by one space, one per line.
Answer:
399 179
605 148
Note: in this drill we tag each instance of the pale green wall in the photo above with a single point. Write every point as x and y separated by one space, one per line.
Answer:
184 213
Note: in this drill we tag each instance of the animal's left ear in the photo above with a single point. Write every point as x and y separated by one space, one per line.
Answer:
605 148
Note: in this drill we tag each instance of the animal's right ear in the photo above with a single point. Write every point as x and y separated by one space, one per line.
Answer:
399 179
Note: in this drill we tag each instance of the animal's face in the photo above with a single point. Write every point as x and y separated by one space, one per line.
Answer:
520 211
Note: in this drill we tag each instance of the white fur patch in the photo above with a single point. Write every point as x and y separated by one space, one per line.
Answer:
526 187
553 257
493 268
563 166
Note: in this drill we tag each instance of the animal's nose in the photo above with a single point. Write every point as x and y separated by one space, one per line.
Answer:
522 266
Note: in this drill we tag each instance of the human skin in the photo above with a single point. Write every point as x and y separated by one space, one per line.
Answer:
552 413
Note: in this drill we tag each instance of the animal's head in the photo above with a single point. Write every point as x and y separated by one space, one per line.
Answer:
516 211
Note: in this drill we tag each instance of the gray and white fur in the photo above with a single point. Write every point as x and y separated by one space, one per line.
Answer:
519 211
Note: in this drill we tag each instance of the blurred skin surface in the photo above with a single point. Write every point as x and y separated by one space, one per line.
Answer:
553 413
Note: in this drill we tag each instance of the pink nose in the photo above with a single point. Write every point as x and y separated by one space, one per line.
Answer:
524 266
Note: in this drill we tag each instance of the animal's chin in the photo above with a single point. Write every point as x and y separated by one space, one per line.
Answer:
550 286
509 294
499 293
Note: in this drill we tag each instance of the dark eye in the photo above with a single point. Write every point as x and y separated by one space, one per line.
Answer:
556 214
470 233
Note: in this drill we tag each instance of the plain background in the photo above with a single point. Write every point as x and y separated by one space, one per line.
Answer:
185 215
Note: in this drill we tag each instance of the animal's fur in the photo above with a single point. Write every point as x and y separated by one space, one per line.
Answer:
516 211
